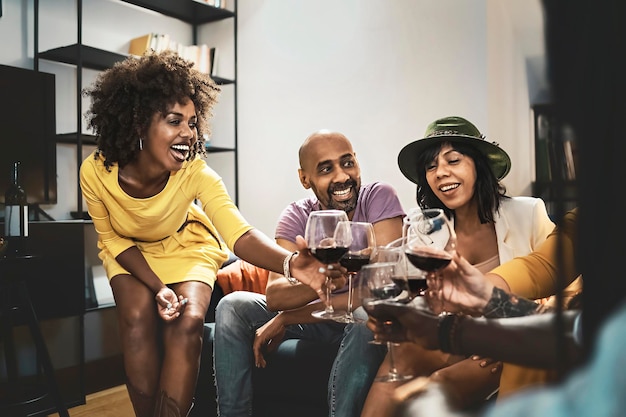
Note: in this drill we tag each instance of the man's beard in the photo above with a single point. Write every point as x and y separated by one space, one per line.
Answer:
347 205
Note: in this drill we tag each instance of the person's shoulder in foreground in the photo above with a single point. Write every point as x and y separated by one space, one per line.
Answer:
595 390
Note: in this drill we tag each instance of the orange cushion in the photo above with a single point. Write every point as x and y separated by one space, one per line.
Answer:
242 276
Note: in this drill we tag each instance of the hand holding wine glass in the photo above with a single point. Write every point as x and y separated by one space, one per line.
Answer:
463 289
328 244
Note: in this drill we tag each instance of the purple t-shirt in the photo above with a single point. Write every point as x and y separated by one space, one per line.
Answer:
377 201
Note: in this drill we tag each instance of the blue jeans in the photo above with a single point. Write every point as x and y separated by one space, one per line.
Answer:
237 317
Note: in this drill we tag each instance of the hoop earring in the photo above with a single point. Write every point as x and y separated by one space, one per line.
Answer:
141 144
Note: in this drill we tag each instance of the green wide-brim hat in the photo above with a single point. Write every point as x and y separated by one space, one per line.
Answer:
453 129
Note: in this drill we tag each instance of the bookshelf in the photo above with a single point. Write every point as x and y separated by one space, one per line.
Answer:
82 56
555 160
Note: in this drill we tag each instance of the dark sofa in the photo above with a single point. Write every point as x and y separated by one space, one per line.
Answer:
294 382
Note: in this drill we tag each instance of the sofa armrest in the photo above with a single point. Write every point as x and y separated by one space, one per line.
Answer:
216 296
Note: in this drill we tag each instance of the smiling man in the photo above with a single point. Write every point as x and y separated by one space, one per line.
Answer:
248 325
320 175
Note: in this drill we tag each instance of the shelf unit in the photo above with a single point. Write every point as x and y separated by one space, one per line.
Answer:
555 180
86 57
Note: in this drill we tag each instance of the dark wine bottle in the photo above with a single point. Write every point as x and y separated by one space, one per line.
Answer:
15 212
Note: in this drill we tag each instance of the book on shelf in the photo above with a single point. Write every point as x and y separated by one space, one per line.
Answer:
139 45
562 155
220 4
203 61
555 150
542 149
212 60
162 42
192 53
557 159
569 152
151 41
202 56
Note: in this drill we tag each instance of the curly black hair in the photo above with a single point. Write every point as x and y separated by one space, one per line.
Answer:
488 192
125 97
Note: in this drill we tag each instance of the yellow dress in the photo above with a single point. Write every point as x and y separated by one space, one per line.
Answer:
183 231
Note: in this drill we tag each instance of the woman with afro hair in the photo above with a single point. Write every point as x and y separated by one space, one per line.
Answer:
165 221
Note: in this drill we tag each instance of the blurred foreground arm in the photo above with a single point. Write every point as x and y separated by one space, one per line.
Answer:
528 340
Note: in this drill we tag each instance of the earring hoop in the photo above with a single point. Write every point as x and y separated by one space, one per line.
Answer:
141 144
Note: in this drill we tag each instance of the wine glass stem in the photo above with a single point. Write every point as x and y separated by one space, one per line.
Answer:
392 362
350 293
329 303
436 278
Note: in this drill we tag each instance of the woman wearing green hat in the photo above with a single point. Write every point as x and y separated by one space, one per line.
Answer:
458 170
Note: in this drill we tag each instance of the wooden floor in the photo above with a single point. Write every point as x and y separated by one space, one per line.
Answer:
113 402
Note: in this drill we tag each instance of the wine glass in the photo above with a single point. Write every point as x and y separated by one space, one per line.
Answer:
359 253
415 279
430 241
377 284
328 244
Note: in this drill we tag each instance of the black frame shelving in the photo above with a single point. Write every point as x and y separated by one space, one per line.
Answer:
88 57
551 182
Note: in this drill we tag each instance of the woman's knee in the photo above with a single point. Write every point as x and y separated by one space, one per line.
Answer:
136 321
187 325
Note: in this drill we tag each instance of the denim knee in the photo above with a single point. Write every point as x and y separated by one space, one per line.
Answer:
353 371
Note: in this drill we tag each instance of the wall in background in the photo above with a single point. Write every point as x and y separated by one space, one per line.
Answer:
377 71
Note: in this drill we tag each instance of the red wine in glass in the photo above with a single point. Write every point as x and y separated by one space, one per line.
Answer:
374 312
428 259
353 263
415 285
387 291
329 255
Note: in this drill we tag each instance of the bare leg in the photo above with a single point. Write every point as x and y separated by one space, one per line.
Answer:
138 326
469 382
183 345
409 358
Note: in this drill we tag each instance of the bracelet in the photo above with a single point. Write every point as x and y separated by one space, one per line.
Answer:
286 271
